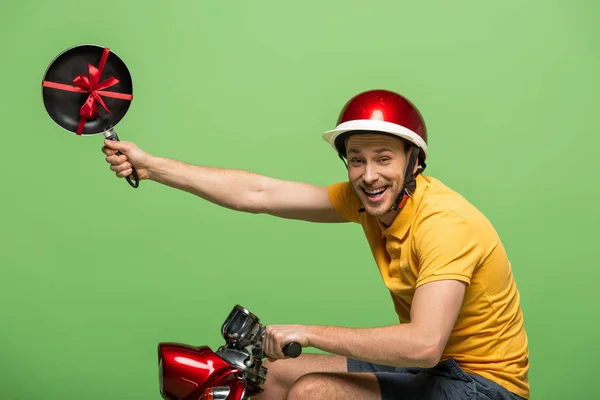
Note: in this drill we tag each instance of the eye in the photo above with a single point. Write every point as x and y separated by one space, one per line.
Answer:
384 159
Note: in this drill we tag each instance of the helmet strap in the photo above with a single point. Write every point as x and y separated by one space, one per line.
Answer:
410 183
343 160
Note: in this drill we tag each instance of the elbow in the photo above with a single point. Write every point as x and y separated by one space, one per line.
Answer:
254 201
430 357
244 207
251 203
430 353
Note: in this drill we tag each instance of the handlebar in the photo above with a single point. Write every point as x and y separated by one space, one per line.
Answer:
292 350
243 331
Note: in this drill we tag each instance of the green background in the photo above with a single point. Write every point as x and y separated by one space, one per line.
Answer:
94 273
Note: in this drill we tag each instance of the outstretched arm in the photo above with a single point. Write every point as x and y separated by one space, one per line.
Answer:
234 189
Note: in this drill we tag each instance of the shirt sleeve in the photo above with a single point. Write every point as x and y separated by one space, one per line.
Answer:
344 201
447 248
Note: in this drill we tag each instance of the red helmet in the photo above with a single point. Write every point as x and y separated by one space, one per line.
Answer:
379 111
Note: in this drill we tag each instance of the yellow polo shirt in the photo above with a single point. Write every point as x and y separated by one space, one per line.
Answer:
440 235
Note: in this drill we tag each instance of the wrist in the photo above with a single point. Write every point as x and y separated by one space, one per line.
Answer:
153 167
313 335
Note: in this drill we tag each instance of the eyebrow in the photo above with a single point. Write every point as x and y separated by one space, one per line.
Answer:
353 150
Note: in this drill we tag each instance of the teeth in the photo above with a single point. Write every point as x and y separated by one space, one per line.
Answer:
374 192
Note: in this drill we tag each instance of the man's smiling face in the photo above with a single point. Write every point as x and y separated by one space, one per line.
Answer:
376 165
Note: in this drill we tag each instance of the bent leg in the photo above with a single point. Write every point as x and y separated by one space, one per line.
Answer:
331 377
282 374
380 386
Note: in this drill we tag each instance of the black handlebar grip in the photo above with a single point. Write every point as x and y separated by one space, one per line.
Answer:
292 350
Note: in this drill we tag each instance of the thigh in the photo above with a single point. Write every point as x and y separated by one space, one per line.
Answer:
423 386
365 380
364 366
445 381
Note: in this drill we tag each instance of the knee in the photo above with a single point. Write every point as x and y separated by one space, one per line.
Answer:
276 373
277 383
309 386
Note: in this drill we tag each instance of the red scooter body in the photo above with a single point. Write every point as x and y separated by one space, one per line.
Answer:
186 372
233 372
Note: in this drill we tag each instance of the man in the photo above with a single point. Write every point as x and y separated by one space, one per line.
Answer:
461 334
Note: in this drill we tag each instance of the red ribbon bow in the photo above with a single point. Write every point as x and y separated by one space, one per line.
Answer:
91 85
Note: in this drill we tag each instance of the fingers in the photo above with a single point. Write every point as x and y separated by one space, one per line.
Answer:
108 151
119 163
267 344
116 159
121 167
274 343
111 147
121 156
125 173
116 145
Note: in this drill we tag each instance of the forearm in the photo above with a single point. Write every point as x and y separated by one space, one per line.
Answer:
397 345
234 189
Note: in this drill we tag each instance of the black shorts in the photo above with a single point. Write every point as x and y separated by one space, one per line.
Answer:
445 381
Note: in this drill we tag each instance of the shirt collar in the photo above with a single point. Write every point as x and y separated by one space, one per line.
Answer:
405 217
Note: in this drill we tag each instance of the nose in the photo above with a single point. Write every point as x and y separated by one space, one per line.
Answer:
370 175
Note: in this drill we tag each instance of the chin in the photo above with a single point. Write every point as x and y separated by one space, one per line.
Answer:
382 207
378 211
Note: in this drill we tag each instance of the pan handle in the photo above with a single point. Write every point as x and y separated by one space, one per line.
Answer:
135 182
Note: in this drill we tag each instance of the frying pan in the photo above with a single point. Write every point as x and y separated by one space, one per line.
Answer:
87 90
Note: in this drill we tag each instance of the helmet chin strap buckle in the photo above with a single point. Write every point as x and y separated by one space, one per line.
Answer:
401 200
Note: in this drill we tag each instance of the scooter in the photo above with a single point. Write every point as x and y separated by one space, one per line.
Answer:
233 372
